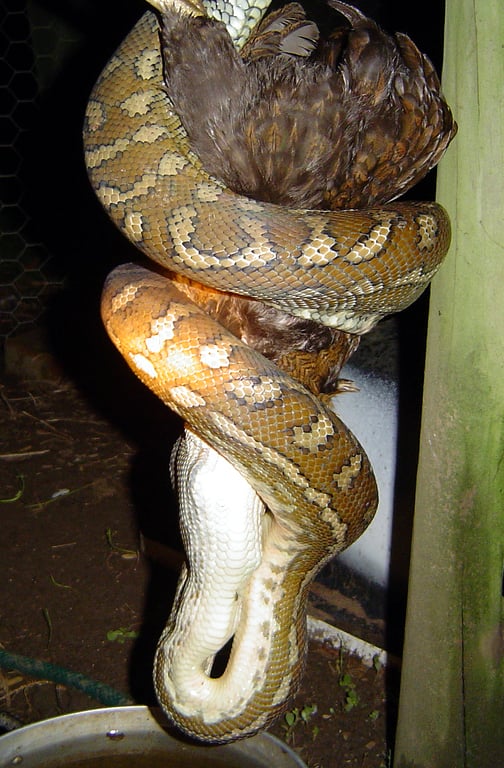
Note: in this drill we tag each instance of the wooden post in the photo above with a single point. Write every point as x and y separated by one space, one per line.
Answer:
451 711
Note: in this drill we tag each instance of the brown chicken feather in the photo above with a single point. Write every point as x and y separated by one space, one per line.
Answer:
349 119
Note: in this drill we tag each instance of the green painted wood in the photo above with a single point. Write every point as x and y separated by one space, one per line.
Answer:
451 712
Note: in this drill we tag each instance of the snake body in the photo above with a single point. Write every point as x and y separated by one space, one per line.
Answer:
306 486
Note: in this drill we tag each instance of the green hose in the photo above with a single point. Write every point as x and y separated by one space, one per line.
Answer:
43 670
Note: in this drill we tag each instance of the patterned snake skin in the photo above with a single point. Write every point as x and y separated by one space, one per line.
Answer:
290 485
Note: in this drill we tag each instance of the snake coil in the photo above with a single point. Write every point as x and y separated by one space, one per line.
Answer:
272 483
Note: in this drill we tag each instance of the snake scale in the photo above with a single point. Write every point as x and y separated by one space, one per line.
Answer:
271 483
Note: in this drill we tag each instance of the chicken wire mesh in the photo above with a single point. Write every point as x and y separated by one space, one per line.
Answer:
33 43
53 233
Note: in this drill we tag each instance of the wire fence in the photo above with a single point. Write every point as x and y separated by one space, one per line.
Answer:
33 44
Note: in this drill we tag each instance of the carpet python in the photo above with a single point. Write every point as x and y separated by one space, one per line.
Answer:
272 484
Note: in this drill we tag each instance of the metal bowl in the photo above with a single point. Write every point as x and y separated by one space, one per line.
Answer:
131 737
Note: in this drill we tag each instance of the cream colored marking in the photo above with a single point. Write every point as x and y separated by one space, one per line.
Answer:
192 258
147 64
124 297
262 391
186 398
139 103
224 262
365 288
348 472
181 363
171 164
257 256
427 229
214 356
148 134
322 248
418 276
112 196
374 243
344 320
317 254
181 225
105 152
313 434
133 224
208 193
143 364
95 115
317 497
338 528
163 331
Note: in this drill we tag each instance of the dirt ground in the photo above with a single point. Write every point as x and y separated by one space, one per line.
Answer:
88 529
